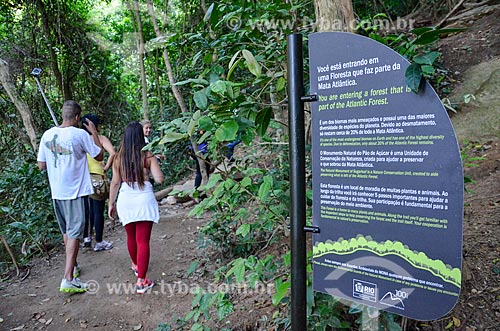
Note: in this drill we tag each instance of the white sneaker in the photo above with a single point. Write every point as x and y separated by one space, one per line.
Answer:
87 242
103 246
74 286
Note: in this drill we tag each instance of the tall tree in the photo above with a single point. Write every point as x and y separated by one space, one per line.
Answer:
175 90
170 73
47 26
21 106
140 47
336 15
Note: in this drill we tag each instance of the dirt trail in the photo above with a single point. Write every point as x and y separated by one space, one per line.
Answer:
37 304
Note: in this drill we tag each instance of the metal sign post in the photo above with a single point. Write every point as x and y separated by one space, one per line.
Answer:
297 154
297 183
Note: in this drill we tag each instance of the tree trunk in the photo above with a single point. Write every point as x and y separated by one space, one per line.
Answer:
171 79
64 87
175 90
21 106
336 15
144 83
158 86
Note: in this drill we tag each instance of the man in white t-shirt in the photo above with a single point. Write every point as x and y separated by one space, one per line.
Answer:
62 153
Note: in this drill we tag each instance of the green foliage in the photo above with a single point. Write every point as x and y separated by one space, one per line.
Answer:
203 306
230 67
326 313
416 47
234 229
470 161
26 218
392 7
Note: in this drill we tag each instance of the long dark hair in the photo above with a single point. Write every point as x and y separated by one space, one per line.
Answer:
93 118
130 155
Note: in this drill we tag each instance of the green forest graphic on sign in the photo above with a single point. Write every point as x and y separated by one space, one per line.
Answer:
417 259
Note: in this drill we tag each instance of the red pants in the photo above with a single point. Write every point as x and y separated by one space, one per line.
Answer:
138 236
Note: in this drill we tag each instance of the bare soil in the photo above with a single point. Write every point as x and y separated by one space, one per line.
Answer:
32 300
35 303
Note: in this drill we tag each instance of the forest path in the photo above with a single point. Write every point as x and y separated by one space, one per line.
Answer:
35 303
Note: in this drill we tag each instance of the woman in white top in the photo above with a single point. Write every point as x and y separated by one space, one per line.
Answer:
136 205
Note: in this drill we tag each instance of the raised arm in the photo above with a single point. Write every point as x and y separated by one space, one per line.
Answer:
95 137
108 147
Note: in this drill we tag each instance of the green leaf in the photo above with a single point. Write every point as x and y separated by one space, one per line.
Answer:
243 230
200 99
171 137
224 308
192 80
280 292
197 327
262 121
247 181
413 77
189 315
420 31
428 70
233 60
218 87
252 64
213 180
427 58
227 131
247 137
250 172
205 123
287 259
205 301
209 12
233 64
432 35
241 214
6 210
427 38
193 122
192 268
264 190
280 84
356 308
19 225
238 270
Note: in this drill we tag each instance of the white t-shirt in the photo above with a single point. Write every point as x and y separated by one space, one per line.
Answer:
64 151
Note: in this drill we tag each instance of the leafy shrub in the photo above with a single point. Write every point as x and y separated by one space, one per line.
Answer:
27 220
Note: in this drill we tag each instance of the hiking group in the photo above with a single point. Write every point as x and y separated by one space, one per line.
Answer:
73 159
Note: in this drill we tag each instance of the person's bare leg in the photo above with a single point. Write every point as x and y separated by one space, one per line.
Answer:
72 246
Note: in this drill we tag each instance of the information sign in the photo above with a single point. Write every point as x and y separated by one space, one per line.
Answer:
387 182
